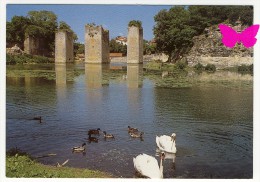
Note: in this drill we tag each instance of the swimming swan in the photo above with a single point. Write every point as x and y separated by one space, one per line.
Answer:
167 143
147 166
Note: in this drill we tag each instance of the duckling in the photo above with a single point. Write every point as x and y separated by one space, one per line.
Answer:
131 130
38 118
136 135
79 148
94 131
108 135
92 139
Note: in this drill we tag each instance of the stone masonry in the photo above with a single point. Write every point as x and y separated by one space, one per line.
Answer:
96 44
135 45
31 45
63 47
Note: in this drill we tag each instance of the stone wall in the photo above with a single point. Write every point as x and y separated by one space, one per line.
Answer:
96 44
63 47
221 62
135 45
31 45
208 48
35 46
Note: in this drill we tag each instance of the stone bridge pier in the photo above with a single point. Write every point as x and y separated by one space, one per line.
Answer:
64 47
135 45
96 44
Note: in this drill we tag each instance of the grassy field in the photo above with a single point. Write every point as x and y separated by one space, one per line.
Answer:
22 166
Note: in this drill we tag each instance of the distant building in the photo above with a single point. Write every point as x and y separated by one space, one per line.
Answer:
121 40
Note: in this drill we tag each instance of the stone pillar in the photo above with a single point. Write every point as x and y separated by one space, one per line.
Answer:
64 47
96 44
135 45
32 45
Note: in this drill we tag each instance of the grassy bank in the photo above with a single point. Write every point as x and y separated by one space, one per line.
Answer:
24 166
27 59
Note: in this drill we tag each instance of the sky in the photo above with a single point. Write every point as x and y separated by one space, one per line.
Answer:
115 18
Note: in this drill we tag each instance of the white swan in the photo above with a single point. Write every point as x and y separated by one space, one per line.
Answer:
167 143
147 166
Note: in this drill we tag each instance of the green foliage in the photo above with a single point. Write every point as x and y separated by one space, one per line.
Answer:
26 58
175 28
65 27
181 65
173 33
79 48
210 68
199 67
148 48
15 30
135 23
38 24
246 68
117 47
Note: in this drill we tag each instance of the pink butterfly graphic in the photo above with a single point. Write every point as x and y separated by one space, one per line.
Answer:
230 37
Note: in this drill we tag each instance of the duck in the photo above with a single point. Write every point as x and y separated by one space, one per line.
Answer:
94 131
136 135
108 135
167 143
147 165
132 129
79 148
92 139
38 118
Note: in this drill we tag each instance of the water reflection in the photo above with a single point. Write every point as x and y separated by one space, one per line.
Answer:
61 81
134 75
134 81
93 75
60 71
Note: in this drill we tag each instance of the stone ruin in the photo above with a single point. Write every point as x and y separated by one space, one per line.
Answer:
96 44
64 47
135 45
15 50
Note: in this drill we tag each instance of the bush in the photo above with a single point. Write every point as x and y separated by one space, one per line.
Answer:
199 67
135 23
26 58
210 68
245 68
181 65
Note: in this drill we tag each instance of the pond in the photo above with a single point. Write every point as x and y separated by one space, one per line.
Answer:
213 123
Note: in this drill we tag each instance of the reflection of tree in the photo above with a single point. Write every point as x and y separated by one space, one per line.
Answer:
205 104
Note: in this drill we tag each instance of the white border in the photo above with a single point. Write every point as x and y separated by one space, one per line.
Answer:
256 126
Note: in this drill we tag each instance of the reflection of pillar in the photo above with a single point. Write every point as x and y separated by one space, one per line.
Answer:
134 75
60 71
135 45
93 75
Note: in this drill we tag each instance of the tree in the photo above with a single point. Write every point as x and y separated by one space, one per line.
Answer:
117 47
64 26
173 32
15 30
79 48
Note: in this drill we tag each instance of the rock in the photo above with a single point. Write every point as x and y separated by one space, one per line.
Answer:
15 50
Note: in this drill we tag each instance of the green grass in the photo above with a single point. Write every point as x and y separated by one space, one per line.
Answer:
18 166
27 59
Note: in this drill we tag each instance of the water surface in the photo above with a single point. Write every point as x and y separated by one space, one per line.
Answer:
214 124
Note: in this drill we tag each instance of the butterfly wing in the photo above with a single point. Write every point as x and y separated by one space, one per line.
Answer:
229 36
248 36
